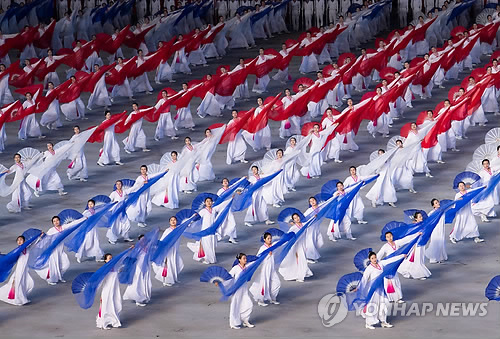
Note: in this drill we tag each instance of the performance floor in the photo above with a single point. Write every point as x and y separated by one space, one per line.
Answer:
192 308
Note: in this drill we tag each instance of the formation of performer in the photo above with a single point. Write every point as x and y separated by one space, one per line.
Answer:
405 64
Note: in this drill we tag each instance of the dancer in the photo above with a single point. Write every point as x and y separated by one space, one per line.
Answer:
465 224
121 226
111 301
169 272
257 212
110 151
136 137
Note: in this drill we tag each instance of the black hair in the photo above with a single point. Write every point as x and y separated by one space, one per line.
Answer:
144 166
240 255
91 200
432 201
371 253
266 234
22 237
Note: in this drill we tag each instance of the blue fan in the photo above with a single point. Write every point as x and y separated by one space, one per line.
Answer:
126 183
199 202
276 234
411 212
492 291
469 178
69 215
215 273
349 282
80 282
250 258
390 226
30 233
329 188
183 215
361 260
100 199
285 217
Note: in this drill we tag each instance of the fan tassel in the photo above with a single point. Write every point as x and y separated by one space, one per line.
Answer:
390 286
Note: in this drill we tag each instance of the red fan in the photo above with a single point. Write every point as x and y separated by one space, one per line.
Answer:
422 116
307 128
438 108
314 30
169 90
327 71
465 82
307 82
30 89
226 67
478 73
387 73
415 61
334 112
452 92
290 42
343 56
405 130
302 36
83 42
271 51
495 55
455 32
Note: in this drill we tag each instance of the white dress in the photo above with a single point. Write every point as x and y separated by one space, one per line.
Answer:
121 226
122 90
50 181
267 285
58 262
136 137
260 139
20 284
257 212
139 210
236 149
111 302
168 273
110 151
29 126
100 96
395 292
294 266
377 306
241 303
22 194
140 289
260 85
228 227
357 207
465 224
314 238
90 247
204 249
165 126
51 117
436 248
78 167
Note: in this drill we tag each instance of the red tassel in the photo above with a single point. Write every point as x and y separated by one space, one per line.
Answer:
100 152
256 81
390 286
12 293
412 258
308 176
70 165
164 273
288 125
37 183
201 252
48 274
165 200
100 306
186 180
262 292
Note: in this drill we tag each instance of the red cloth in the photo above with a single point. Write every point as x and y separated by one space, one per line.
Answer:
116 77
45 40
124 124
19 78
98 135
256 123
106 43
133 40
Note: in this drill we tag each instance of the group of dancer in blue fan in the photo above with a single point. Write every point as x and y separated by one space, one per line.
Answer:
289 250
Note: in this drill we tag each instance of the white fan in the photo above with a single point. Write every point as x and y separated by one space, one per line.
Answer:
474 166
373 155
486 151
493 136
3 169
270 155
415 22
61 144
297 137
482 18
392 141
28 153
166 159
259 164
154 169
